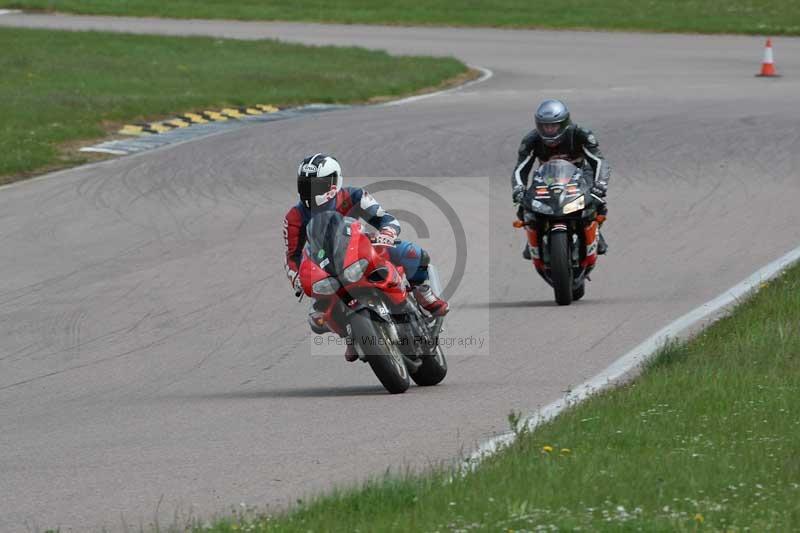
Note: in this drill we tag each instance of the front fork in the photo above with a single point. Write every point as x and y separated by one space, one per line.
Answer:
540 252
539 243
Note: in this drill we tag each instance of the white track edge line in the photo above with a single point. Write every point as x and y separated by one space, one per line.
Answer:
485 75
640 354
92 149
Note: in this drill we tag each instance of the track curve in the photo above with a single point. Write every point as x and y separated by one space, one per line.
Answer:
151 350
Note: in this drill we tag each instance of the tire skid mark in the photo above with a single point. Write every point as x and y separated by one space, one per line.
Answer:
286 352
38 286
126 330
254 298
100 361
34 228
609 333
242 320
72 331
21 352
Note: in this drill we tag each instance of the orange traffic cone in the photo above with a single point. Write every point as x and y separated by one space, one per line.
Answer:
768 65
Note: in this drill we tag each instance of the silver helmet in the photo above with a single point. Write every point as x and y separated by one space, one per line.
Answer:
552 120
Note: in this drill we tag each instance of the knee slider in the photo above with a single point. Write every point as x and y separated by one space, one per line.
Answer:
422 270
424 260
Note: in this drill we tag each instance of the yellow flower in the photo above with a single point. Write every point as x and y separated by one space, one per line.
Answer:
547 449
699 518
566 450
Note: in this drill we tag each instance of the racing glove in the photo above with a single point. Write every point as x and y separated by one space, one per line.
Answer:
386 237
296 285
517 193
600 188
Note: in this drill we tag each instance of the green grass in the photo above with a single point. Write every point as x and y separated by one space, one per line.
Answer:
705 16
59 87
708 438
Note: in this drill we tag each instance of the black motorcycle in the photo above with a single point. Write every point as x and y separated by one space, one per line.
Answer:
561 219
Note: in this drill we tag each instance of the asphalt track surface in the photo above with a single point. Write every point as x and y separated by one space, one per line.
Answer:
151 351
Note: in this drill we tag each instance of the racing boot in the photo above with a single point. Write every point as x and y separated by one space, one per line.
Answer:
602 247
316 320
429 301
350 354
526 252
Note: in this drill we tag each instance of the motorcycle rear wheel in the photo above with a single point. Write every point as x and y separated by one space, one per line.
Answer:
433 369
561 267
578 293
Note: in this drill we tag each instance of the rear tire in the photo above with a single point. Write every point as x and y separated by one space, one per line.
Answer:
577 294
385 358
433 369
561 267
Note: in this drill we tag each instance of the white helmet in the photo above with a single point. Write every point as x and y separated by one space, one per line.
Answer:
319 178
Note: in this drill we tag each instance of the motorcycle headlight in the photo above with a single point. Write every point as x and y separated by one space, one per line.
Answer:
354 272
575 205
541 207
326 286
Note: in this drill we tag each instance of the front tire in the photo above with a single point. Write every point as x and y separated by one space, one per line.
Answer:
384 357
433 369
561 267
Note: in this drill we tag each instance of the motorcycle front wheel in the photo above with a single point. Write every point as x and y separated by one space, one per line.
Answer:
373 338
561 267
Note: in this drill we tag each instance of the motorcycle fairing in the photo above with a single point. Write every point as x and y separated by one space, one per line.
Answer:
336 242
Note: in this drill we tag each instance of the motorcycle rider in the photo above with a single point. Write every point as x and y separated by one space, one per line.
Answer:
555 137
319 184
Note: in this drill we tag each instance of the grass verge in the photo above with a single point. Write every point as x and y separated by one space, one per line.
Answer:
60 87
772 17
708 438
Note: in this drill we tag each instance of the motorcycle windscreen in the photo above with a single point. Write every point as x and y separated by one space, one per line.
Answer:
327 237
556 172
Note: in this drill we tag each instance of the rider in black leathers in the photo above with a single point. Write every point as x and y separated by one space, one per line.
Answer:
555 137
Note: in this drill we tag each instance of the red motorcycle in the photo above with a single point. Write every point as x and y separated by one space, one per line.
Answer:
366 299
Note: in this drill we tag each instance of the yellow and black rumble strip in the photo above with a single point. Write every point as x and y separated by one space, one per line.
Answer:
201 117
189 126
